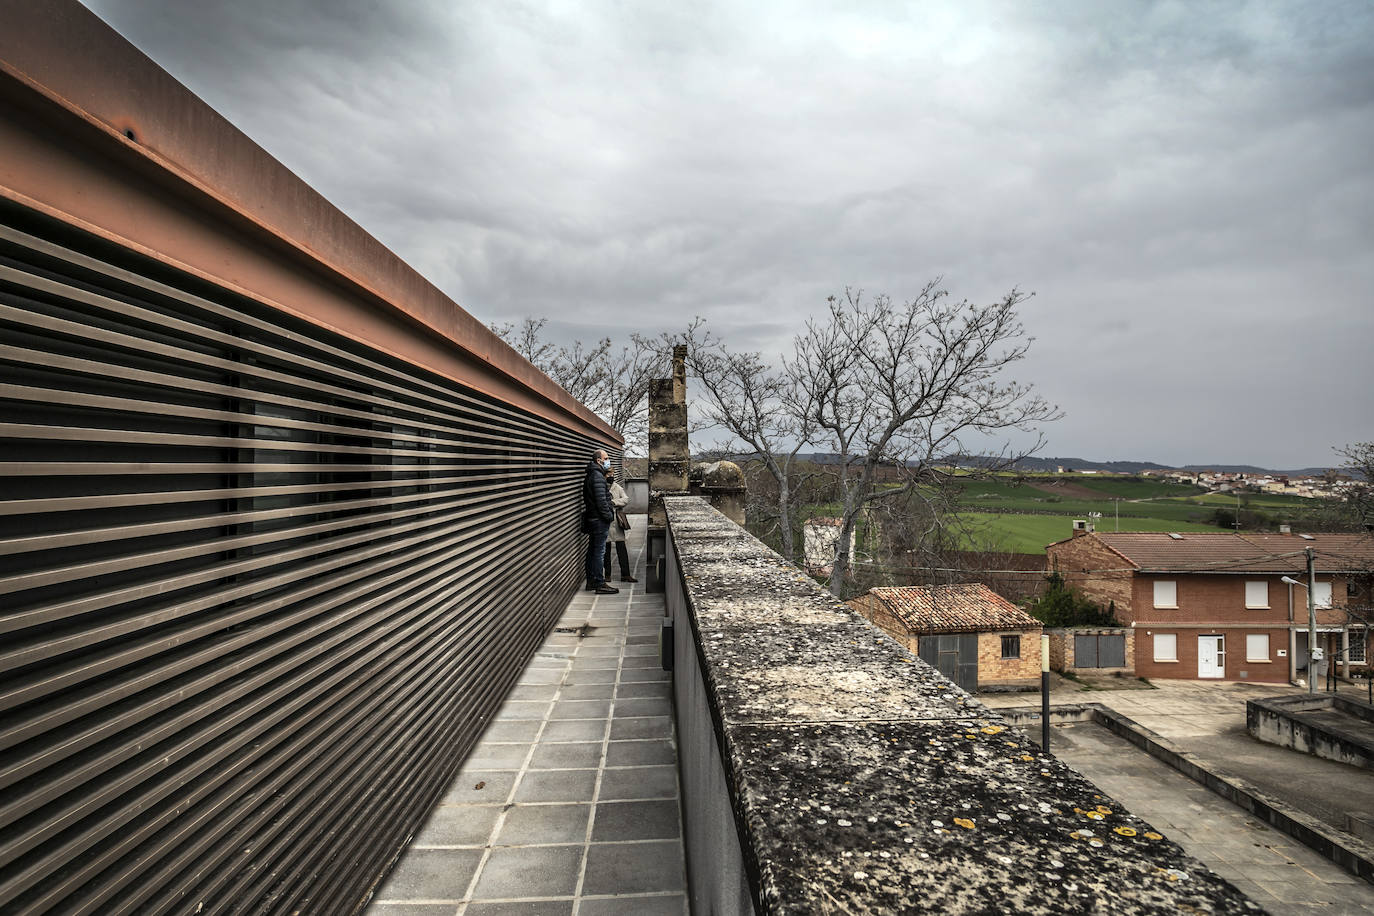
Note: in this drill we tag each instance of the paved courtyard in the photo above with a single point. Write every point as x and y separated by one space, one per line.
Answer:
568 806
1271 868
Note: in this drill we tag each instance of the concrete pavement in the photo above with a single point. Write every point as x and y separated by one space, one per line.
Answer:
1273 869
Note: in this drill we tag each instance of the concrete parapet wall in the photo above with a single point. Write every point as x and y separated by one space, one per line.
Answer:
1354 854
1288 722
826 769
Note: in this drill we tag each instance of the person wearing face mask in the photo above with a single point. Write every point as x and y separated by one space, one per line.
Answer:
619 500
597 515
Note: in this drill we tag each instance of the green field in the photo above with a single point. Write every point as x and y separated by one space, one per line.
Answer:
1005 513
1030 533
1005 497
1139 499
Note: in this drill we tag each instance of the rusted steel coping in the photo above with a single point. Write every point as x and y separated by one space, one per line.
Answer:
95 133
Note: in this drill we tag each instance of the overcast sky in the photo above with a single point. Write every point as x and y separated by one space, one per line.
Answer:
1188 189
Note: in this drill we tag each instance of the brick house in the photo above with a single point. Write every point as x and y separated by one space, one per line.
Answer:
973 635
1212 604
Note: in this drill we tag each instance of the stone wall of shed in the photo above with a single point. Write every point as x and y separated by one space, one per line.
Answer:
994 670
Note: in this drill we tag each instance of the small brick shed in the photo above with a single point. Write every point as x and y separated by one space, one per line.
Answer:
972 634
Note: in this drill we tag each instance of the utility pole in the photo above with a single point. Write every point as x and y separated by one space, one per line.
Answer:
1044 693
1311 621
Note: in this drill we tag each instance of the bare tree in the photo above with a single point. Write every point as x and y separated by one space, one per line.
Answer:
612 383
764 414
895 391
1359 497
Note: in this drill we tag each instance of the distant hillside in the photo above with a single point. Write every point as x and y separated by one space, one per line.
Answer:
1083 464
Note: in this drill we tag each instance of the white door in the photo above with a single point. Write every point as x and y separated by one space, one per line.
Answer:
1211 656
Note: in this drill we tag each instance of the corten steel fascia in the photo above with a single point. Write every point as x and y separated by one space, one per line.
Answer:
94 133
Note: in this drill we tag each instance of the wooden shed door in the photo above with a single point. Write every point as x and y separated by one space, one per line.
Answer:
955 656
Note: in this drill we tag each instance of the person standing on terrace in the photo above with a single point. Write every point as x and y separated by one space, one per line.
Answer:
597 514
619 500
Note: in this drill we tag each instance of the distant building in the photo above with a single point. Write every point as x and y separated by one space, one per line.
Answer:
970 633
1211 605
820 538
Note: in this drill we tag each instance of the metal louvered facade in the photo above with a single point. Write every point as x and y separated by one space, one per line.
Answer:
262 588
279 523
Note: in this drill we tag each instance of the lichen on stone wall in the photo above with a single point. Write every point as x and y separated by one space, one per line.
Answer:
866 782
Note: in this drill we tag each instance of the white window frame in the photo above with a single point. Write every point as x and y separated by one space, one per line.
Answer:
1155 646
1358 642
1250 655
1255 601
1323 588
1171 590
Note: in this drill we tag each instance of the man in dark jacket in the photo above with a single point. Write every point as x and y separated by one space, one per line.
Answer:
597 514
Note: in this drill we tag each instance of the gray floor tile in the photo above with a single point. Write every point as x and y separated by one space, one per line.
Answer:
639 782
627 868
411 909
556 786
566 756
522 709
657 905
643 674
640 639
581 709
587 692
476 787
642 706
489 755
642 661
592 676
596 661
645 727
574 730
528 825
529 871
533 692
599 651
541 676
458 825
648 689
640 753
512 730
430 874
635 820
641 650
520 908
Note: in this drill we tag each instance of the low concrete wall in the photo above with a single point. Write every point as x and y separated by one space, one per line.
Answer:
827 770
1353 853
1288 722
637 488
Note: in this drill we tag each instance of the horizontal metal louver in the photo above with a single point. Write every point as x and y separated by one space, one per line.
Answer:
260 588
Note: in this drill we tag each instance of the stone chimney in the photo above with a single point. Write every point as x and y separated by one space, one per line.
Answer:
668 448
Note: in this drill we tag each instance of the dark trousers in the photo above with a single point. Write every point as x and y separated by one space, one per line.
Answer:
596 550
622 554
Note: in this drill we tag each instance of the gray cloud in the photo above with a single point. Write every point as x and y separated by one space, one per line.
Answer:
1185 186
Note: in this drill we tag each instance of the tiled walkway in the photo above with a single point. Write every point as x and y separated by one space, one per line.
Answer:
568 806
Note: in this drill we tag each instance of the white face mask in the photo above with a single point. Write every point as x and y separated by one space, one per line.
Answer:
606 465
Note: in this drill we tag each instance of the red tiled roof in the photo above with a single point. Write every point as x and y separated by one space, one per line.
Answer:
1227 551
953 608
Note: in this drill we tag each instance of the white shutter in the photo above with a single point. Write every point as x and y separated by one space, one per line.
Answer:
1166 593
